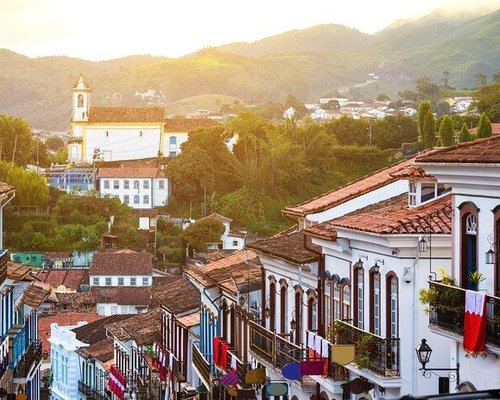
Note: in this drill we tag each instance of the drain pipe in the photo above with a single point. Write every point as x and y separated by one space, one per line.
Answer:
4 200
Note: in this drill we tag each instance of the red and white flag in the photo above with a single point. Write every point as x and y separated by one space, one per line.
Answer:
475 322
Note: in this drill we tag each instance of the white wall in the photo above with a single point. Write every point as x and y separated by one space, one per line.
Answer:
156 197
126 280
169 149
107 309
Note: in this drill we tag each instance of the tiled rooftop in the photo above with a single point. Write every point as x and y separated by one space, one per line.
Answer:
188 321
287 246
178 296
37 293
21 272
392 216
105 263
126 114
187 124
95 330
144 328
482 151
132 296
349 191
102 350
130 172
71 278
239 267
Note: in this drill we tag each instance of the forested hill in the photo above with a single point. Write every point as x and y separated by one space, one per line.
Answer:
307 63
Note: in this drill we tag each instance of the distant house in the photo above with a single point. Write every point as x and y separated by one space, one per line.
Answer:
58 259
68 280
147 219
289 113
35 259
70 178
142 187
231 239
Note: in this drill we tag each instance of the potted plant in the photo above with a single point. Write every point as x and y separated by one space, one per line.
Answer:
476 277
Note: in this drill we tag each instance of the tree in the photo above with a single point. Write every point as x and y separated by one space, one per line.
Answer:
427 89
484 127
446 131
465 135
203 232
496 77
383 97
428 136
408 95
31 188
487 100
423 109
331 105
480 79
54 142
445 79
16 141
299 107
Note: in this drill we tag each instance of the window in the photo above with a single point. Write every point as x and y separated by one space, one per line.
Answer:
145 199
145 281
359 296
80 100
392 305
106 184
108 281
311 313
298 316
126 184
120 281
375 302
133 281
337 311
161 184
136 184
101 310
126 199
235 243
96 281
114 310
107 134
172 154
469 228
346 301
123 310
116 184
427 191
272 305
173 140
145 184
412 193
136 199
283 308
140 133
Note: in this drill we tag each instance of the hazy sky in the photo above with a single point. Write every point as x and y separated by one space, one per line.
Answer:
103 29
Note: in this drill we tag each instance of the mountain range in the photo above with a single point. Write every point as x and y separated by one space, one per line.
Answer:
308 63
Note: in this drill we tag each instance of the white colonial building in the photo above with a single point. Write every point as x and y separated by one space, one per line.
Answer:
142 187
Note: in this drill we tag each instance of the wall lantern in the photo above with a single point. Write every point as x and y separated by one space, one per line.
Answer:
424 352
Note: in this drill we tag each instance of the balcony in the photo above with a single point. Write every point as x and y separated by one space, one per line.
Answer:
372 352
241 368
98 395
32 357
447 309
201 364
3 266
84 389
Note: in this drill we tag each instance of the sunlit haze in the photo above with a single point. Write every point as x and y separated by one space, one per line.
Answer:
104 29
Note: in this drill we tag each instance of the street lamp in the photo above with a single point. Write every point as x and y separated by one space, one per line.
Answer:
424 352
293 324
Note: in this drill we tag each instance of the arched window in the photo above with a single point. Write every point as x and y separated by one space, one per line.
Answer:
375 326
346 301
224 324
359 298
283 308
272 305
312 317
469 228
80 100
392 306
298 315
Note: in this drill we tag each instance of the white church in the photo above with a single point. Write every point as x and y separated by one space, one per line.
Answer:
123 133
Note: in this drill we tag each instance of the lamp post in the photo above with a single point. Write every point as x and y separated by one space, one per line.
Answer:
424 352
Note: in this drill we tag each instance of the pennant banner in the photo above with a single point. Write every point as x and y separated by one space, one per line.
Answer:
475 322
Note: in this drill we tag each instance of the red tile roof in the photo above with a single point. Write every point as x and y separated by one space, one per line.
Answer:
190 320
495 128
21 272
95 331
37 293
176 124
349 191
62 319
121 264
5 188
483 151
130 172
392 216
239 267
132 296
71 278
287 246
178 296
103 350
144 328
126 114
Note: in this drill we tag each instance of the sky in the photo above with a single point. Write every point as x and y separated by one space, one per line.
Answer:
105 29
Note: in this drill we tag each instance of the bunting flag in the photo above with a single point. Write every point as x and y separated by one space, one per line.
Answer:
475 322
117 383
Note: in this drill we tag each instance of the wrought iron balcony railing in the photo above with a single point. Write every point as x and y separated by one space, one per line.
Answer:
201 364
32 357
377 354
98 395
84 389
447 309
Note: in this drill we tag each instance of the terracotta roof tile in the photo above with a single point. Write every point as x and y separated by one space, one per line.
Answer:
224 272
188 321
102 350
21 272
62 319
37 293
288 246
132 296
71 278
392 216
126 114
95 330
144 328
176 124
105 263
495 128
130 172
412 173
483 151
349 191
178 296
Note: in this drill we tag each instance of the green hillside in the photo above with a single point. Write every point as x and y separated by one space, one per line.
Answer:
211 102
307 63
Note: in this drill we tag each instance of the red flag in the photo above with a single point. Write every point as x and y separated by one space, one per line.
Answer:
475 322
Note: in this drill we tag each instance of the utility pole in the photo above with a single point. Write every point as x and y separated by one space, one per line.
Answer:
14 151
1 145
37 159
